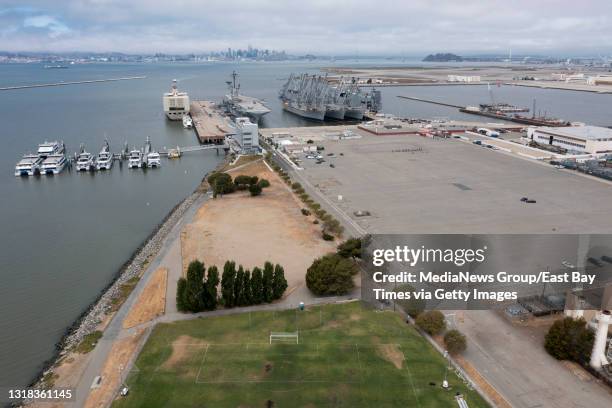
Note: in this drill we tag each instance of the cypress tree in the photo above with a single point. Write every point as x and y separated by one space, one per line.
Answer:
210 292
238 288
180 295
256 286
246 288
279 285
267 282
228 281
194 288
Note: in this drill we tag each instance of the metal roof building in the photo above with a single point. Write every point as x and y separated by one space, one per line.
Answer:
583 139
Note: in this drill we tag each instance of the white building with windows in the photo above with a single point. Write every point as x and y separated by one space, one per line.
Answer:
464 78
583 139
247 135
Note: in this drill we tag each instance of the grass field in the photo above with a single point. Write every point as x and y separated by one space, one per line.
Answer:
348 356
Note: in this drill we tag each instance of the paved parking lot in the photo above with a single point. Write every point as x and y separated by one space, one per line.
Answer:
412 184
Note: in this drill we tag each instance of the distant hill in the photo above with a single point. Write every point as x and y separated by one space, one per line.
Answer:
446 57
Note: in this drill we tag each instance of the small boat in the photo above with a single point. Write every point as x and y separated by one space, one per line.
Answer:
105 158
85 160
54 164
135 160
29 165
174 153
187 122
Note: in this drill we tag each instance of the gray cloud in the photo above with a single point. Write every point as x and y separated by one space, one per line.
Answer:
322 27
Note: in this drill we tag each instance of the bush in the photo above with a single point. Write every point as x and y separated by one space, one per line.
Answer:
263 183
221 183
255 189
303 196
455 342
351 248
431 322
327 237
315 222
242 180
331 275
569 339
305 211
414 307
296 185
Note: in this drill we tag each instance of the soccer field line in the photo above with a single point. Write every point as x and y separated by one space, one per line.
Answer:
202 363
416 396
267 343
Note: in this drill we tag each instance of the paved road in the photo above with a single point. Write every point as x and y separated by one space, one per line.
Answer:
514 361
169 257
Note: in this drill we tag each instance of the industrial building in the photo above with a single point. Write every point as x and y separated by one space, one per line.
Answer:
582 139
464 78
247 135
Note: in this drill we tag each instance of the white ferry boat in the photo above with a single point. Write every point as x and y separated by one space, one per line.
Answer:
49 148
85 161
105 158
54 164
29 165
153 159
135 160
187 122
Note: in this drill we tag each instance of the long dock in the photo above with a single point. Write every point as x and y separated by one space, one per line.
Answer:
430 101
210 124
89 81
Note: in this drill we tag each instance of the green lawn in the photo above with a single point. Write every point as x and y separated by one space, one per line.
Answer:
348 356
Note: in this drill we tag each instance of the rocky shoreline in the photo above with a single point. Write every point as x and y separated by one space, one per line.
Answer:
95 313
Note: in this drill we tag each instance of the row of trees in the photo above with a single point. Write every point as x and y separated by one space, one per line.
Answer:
197 292
330 224
243 288
222 183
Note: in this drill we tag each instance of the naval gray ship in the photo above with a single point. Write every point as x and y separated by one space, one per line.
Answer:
313 97
241 105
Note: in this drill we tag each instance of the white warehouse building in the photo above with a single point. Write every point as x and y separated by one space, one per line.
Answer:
583 139
247 135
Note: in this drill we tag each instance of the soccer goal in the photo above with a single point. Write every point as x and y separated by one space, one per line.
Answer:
284 337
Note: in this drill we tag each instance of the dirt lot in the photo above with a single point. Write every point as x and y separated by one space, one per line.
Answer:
121 353
152 300
253 230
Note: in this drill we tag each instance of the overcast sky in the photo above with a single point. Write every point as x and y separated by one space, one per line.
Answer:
332 27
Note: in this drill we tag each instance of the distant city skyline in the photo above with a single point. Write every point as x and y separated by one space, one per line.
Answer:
318 27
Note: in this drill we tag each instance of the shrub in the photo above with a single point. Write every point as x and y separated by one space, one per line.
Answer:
263 183
414 307
431 322
569 339
296 185
315 206
303 196
255 189
221 183
327 237
305 211
455 342
351 248
331 275
242 180
315 222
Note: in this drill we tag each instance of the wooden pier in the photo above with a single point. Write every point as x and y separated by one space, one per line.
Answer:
210 124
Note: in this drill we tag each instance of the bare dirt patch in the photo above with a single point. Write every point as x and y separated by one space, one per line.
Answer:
152 300
253 230
182 350
392 354
121 353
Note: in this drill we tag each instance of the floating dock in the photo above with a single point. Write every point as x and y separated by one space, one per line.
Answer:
210 124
